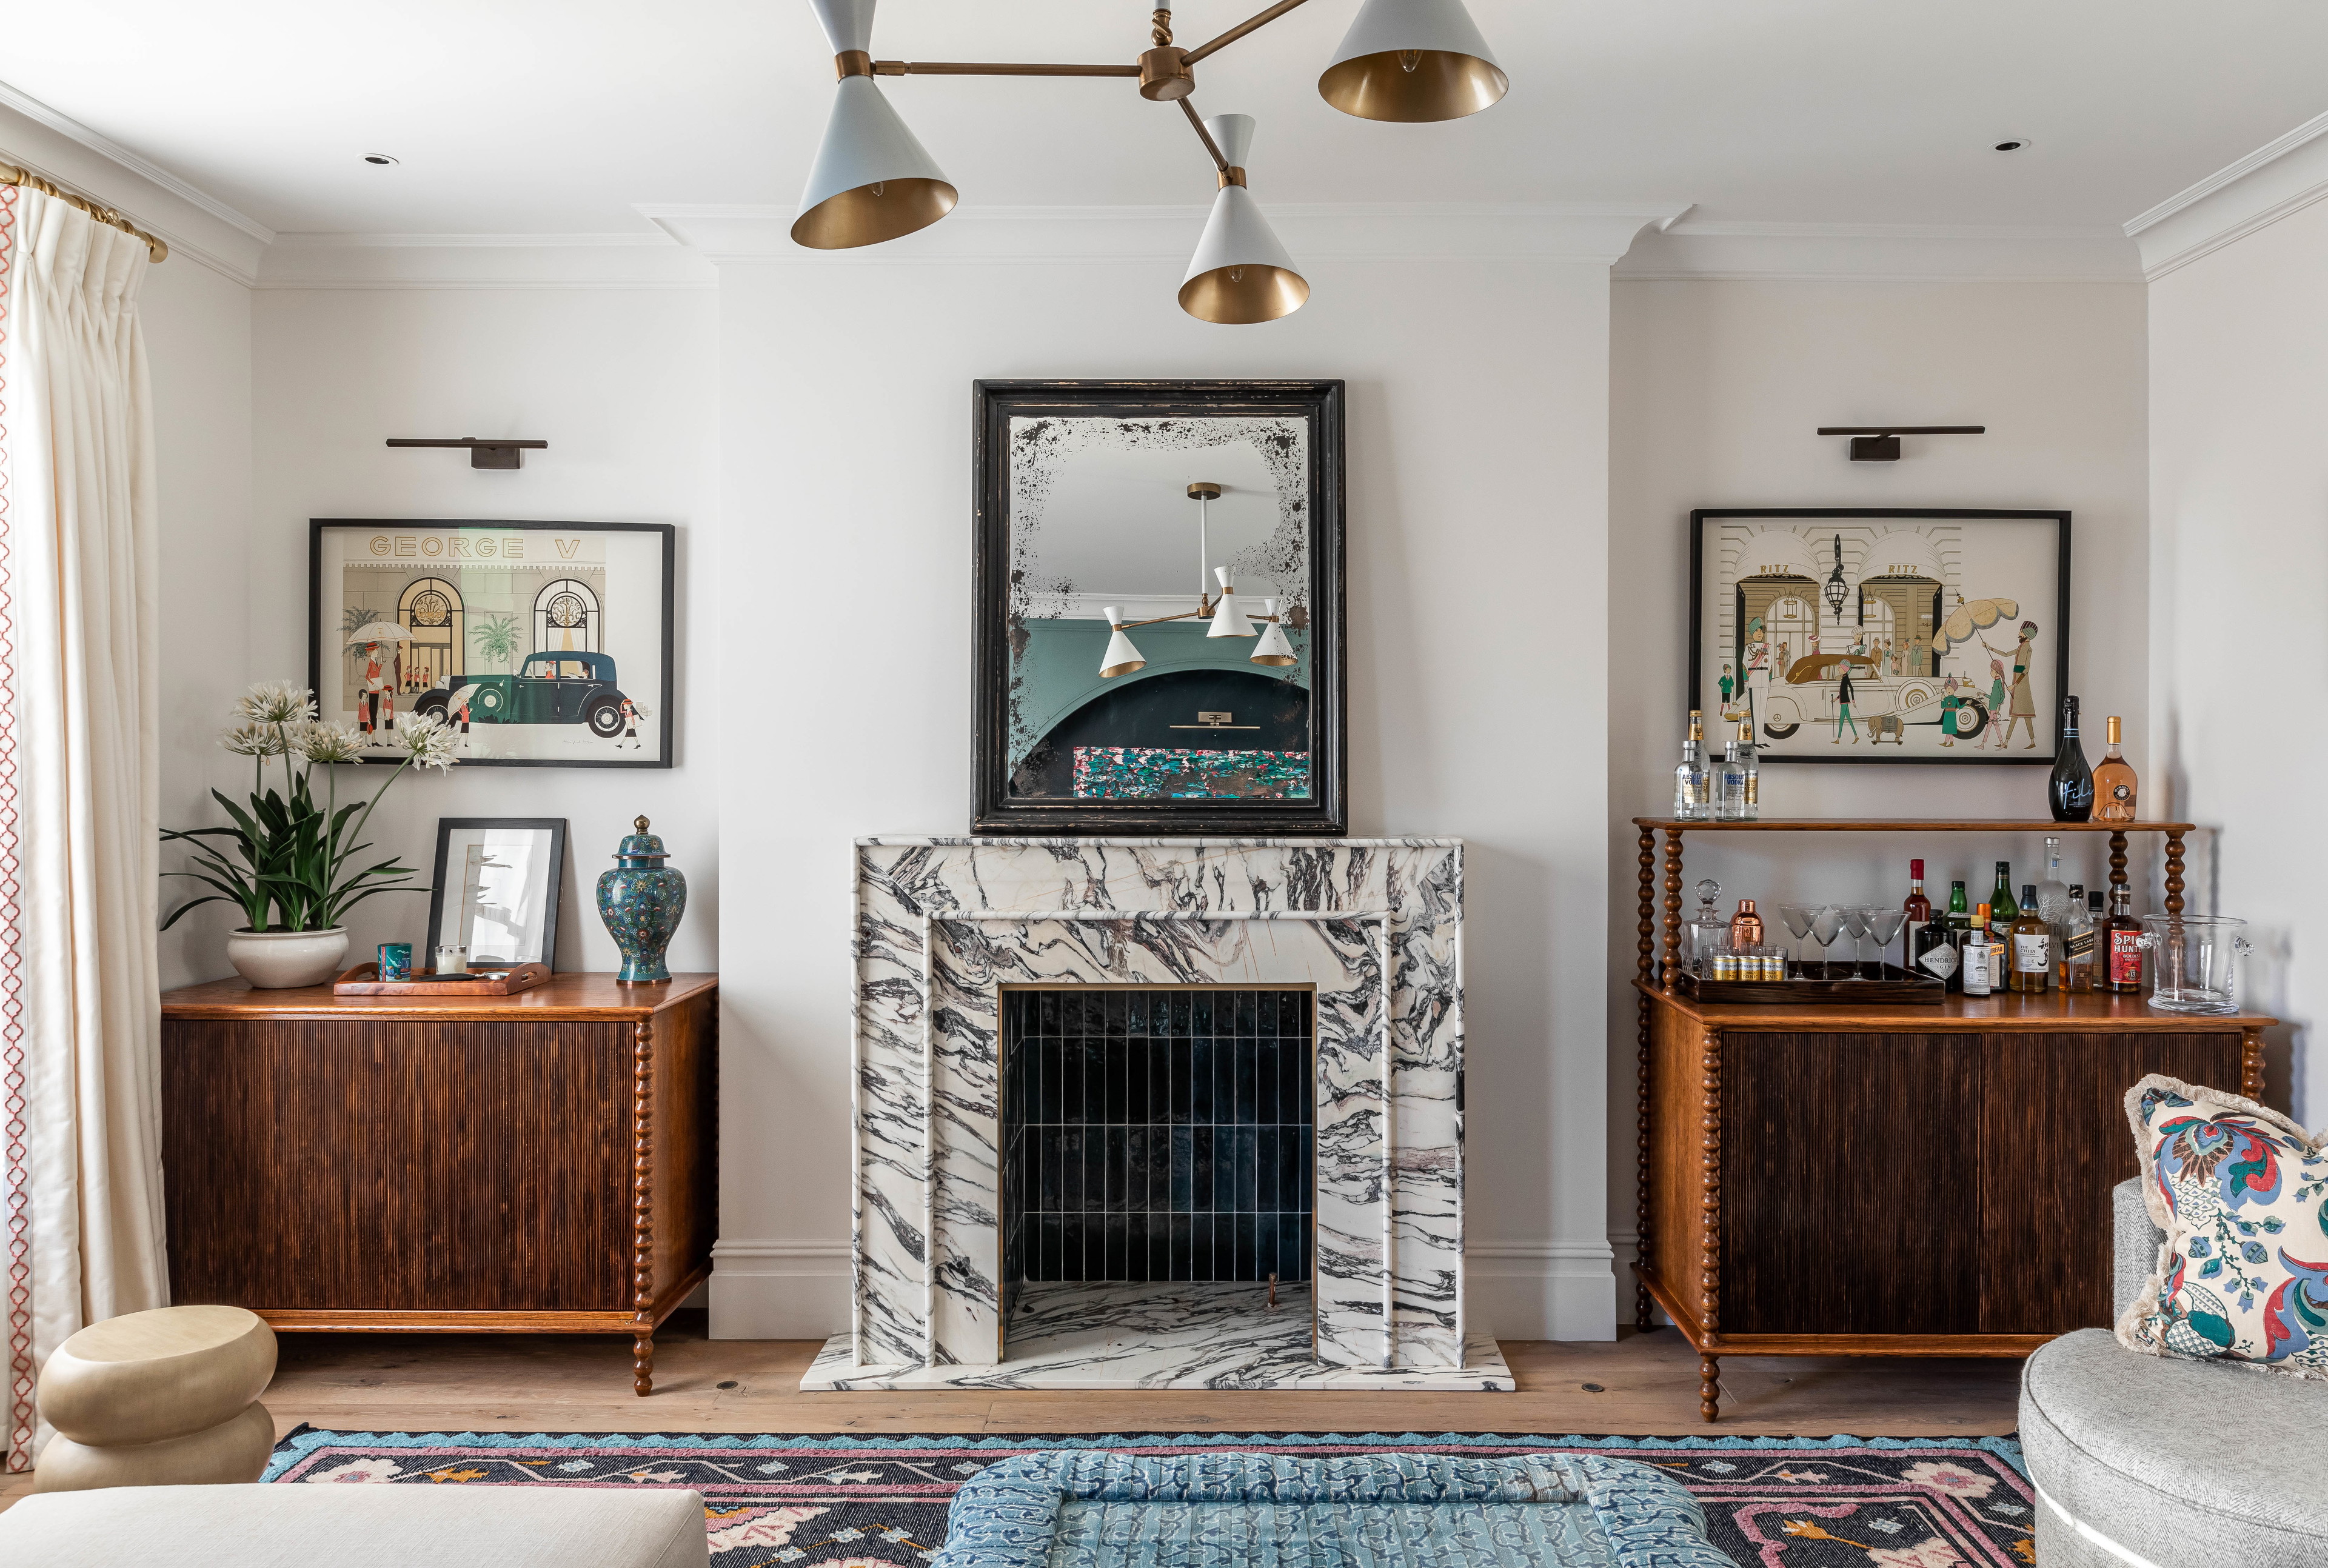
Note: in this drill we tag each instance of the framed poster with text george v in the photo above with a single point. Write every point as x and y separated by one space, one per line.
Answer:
1881 635
542 645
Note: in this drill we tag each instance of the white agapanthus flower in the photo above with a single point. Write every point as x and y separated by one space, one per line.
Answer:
276 702
329 742
253 739
427 738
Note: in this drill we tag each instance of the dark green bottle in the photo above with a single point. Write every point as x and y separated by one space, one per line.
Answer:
1959 909
2001 910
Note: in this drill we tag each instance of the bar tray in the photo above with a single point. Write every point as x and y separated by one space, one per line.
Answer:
364 980
1821 985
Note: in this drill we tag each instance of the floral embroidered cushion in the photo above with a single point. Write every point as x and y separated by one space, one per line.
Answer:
2242 1195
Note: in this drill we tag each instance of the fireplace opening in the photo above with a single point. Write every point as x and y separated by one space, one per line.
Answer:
1155 1137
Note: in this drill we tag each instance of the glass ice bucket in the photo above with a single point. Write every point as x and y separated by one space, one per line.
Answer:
2195 961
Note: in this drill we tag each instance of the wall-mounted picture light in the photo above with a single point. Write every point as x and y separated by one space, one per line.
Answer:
482 454
1880 442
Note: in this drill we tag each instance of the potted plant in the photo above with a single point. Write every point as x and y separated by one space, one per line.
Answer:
289 863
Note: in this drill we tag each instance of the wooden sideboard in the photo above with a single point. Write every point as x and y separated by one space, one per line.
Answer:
1819 1180
540 1162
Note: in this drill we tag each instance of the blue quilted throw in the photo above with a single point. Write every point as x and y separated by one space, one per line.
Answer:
1069 1510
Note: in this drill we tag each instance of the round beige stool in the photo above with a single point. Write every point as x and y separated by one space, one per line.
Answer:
162 1398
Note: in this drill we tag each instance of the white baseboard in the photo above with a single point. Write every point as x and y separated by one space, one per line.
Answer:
779 1290
799 1289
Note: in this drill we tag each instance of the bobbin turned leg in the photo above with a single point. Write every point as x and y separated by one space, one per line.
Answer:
1709 1388
642 1364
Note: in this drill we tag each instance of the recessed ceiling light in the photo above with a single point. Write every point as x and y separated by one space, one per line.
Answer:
381 158
2012 144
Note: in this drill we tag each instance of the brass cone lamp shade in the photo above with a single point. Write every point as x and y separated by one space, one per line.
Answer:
1122 658
873 180
1412 61
1273 649
1240 275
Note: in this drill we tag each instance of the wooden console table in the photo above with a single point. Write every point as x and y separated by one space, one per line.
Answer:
1892 1180
543 1162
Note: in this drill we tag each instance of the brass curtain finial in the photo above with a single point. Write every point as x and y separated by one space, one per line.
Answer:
10 174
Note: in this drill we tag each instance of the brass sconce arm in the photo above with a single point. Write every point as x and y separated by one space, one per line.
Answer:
981 68
1203 612
1196 123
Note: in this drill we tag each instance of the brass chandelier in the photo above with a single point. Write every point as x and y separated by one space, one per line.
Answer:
1408 60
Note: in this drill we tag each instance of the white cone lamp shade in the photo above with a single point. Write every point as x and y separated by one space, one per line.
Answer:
1241 274
1228 621
1412 61
1273 649
872 180
1122 657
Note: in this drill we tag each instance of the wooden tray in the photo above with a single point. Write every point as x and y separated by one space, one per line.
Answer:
364 980
1822 985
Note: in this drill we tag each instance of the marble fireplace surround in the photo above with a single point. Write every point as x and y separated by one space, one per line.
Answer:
941 924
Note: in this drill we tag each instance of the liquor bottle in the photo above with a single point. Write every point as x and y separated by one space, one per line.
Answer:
2052 896
2074 967
1938 954
1920 914
2072 789
1745 928
2001 910
2121 946
2032 946
2113 784
1750 806
1959 912
1689 778
1727 790
1977 972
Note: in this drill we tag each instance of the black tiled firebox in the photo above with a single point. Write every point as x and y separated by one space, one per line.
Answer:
1156 1135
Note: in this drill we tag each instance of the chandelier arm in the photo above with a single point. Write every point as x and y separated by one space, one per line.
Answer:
1211 146
1241 29
982 67
1202 613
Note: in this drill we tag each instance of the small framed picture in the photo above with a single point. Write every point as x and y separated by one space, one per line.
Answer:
1881 635
543 644
497 888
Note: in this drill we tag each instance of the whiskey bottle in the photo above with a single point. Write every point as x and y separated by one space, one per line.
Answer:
2113 784
2070 790
2032 947
2074 969
1918 910
1978 975
2121 946
1689 778
2001 910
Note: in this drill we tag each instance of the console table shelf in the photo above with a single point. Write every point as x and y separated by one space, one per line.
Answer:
542 1162
1891 1181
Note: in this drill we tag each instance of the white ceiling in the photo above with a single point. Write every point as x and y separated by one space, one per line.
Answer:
525 116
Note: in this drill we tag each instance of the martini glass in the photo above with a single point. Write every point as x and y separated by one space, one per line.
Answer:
1798 921
1883 923
1855 925
1826 923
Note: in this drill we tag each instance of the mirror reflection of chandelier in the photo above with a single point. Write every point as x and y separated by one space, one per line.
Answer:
1406 60
1227 620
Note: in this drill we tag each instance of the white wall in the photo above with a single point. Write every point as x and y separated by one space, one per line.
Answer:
1477 442
2238 574
198 347
1716 388
621 384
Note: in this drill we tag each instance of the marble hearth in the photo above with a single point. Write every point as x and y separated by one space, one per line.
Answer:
946 927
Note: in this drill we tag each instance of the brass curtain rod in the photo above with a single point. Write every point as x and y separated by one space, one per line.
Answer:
11 174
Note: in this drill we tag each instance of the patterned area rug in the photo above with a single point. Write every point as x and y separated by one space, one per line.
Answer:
873 1502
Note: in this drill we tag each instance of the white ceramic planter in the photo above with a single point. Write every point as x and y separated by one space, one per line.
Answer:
277 960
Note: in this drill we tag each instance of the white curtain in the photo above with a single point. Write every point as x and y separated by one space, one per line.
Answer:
80 1011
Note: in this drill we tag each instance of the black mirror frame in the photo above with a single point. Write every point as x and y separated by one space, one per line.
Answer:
445 826
991 810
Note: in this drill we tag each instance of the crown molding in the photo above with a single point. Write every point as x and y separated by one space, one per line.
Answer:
1697 250
1592 232
2281 177
642 259
113 151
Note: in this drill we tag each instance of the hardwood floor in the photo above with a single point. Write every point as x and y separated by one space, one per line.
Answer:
1638 1385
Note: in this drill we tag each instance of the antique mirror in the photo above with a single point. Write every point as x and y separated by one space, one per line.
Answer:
1157 608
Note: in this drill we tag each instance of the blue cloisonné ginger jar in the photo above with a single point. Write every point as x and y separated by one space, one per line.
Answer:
640 901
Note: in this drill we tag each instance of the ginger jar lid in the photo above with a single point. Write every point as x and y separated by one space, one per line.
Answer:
641 845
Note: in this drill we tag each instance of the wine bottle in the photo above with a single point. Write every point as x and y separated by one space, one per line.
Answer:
1920 914
2071 788
2032 947
1978 973
2114 783
2001 910
1689 778
2121 946
2075 964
